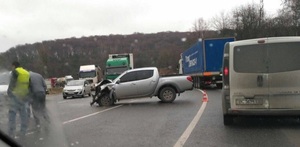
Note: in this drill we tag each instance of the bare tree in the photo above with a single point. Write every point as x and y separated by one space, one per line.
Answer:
221 21
200 28
292 7
249 21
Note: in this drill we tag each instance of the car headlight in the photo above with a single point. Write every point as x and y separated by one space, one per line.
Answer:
79 90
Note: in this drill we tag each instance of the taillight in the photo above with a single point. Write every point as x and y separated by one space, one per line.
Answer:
189 78
226 71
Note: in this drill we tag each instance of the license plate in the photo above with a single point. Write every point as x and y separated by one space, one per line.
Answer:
249 101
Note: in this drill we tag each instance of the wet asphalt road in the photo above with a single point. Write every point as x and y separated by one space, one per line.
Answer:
148 122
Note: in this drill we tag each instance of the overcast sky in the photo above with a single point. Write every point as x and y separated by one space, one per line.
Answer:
30 21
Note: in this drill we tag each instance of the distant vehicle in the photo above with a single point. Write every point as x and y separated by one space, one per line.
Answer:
77 88
90 73
203 61
116 64
143 82
261 77
4 82
68 78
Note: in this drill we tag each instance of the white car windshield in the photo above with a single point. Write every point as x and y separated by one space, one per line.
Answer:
75 83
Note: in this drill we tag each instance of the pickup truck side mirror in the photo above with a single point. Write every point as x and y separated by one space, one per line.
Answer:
118 81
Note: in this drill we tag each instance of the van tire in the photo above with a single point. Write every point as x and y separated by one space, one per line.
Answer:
228 120
167 95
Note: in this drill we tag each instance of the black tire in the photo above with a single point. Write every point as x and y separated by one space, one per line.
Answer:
64 97
228 120
90 94
105 100
219 86
167 95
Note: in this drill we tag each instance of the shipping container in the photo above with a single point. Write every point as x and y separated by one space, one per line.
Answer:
203 61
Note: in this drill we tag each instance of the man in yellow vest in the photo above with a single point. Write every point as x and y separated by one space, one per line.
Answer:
18 92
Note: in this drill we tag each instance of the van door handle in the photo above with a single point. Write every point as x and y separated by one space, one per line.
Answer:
260 81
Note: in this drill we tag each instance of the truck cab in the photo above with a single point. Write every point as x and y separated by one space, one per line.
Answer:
116 64
89 73
115 67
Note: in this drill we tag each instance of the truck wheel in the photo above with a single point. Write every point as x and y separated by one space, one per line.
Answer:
228 120
219 86
105 100
167 95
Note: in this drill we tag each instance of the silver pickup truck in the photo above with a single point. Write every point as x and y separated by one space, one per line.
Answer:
141 83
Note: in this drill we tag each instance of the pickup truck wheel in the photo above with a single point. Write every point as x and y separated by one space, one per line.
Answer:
167 95
105 100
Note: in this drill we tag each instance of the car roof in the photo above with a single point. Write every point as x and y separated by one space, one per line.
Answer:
143 68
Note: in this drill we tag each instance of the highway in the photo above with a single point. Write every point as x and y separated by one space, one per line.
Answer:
188 121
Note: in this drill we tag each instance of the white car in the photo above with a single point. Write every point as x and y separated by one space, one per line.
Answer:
77 88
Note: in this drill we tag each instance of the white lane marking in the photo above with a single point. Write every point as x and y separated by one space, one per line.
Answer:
92 114
183 138
62 101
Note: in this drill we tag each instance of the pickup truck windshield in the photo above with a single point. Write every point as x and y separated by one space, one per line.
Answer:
87 74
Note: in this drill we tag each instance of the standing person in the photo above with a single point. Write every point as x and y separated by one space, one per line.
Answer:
97 88
18 92
38 89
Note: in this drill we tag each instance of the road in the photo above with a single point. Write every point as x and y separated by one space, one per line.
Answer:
148 122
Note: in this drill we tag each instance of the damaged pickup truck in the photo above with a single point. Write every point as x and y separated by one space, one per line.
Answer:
141 83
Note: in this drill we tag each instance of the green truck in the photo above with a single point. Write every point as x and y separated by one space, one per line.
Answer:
117 64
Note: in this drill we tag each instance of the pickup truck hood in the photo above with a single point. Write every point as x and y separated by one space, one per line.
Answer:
107 85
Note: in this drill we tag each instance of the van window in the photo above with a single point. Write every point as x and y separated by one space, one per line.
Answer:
250 59
267 58
284 57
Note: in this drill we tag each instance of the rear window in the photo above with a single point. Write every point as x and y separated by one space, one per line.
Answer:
267 58
250 59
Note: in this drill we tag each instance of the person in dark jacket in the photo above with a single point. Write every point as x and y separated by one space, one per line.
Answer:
38 89
18 92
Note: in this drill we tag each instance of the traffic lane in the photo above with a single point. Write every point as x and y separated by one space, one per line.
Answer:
247 131
75 107
50 132
144 122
